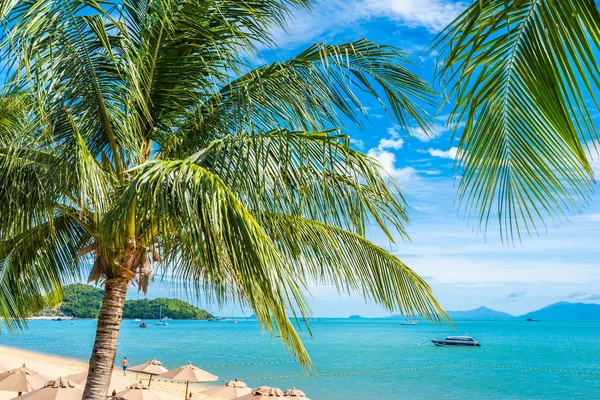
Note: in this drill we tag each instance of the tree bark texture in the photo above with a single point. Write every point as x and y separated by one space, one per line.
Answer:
102 359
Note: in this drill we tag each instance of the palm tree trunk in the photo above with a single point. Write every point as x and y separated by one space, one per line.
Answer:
107 335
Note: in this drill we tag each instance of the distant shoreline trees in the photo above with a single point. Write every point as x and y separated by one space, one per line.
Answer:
84 301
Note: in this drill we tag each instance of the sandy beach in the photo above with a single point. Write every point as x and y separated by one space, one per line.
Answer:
54 367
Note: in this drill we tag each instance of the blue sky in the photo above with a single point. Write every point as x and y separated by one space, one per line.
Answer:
466 269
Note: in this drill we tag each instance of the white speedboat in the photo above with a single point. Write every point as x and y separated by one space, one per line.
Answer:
456 341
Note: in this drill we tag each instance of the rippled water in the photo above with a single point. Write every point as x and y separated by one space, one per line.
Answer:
373 359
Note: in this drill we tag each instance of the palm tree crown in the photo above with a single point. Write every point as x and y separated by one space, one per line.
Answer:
137 138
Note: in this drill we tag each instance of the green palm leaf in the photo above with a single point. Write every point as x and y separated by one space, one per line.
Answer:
352 264
311 91
523 74
310 174
218 241
134 135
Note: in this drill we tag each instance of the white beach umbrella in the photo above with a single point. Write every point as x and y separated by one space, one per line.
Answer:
231 390
137 391
60 389
21 380
151 367
116 383
189 373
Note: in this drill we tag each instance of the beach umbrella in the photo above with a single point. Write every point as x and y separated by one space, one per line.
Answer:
293 392
21 380
60 389
263 393
231 390
189 373
116 383
137 391
152 368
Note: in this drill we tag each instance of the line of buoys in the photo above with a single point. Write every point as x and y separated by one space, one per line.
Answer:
247 364
429 367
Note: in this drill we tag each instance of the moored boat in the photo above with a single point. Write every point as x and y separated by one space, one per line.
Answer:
457 341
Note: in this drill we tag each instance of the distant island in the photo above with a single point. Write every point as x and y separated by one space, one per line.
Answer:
481 313
562 311
355 317
83 301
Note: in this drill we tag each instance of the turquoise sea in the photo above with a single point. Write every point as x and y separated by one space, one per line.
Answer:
375 359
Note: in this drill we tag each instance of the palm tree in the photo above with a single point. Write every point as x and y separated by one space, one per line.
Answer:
524 77
137 139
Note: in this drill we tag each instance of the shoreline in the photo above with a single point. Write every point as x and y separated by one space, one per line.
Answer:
53 367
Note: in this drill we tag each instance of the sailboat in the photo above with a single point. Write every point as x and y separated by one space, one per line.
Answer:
161 321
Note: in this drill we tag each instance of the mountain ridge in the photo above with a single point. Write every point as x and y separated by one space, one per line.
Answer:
566 311
559 311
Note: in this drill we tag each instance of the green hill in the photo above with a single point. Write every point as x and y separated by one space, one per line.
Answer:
83 301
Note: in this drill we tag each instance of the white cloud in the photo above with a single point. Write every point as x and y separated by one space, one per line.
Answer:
583 296
436 131
359 144
433 15
334 16
451 153
395 144
387 160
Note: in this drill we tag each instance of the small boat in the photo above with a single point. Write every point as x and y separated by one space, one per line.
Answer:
161 321
532 320
143 325
57 319
322 320
458 341
137 320
410 322
233 321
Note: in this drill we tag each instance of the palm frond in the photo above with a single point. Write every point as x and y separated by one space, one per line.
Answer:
309 174
352 264
176 56
311 91
35 264
205 235
523 74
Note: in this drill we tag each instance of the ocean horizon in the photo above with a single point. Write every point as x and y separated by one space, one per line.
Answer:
371 358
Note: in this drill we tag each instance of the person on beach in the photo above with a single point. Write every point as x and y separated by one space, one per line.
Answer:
124 365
